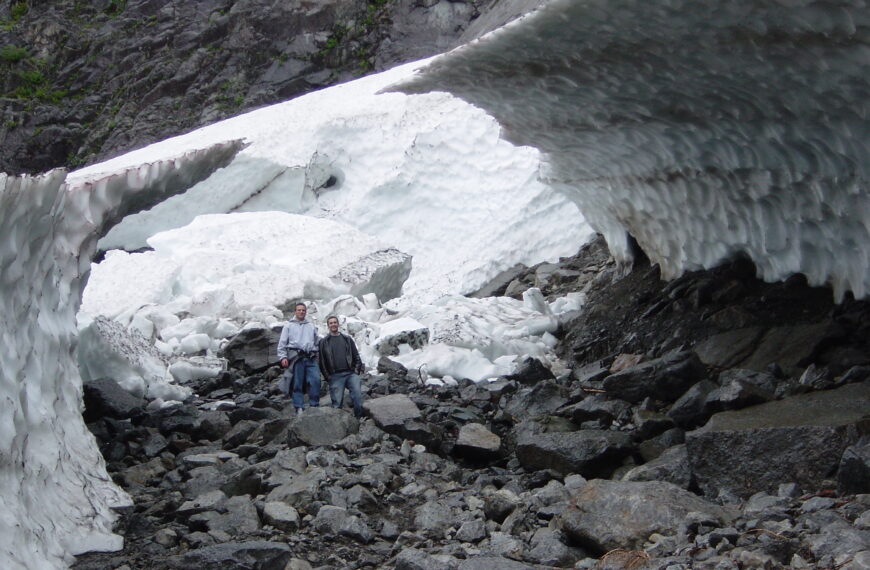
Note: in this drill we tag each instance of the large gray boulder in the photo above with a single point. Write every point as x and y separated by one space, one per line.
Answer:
611 514
799 439
391 412
322 425
591 453
543 398
664 378
253 350
853 477
671 466
235 556
104 397
475 441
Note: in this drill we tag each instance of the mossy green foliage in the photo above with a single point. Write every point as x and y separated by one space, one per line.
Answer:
27 78
16 12
12 53
375 13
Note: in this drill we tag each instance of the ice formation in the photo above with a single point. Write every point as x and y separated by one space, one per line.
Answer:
430 175
702 129
57 496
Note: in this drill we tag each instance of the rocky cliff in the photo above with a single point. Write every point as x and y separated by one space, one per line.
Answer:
81 81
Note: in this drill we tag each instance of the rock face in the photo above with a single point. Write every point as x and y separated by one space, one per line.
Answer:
800 439
118 75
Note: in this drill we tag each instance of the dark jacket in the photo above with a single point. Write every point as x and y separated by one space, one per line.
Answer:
344 342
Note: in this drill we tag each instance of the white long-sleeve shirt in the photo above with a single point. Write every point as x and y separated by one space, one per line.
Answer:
297 335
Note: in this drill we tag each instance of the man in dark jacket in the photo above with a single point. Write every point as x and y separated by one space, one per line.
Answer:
341 366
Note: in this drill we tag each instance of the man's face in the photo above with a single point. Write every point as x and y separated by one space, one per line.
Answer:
332 324
301 311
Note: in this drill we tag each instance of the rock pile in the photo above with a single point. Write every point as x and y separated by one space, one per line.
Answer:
711 422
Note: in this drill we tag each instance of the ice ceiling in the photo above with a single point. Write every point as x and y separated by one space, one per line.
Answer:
702 129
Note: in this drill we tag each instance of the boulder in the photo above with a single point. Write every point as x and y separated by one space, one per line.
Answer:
401 331
671 466
599 407
591 453
391 412
104 397
609 514
853 476
338 521
543 398
321 425
235 556
476 442
664 378
253 350
300 491
800 439
530 371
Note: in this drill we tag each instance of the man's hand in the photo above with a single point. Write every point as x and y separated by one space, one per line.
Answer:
285 363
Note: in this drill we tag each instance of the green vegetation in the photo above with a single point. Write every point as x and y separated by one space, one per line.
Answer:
12 53
16 12
343 36
28 77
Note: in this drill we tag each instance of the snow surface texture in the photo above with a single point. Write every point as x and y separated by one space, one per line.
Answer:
429 175
702 129
56 495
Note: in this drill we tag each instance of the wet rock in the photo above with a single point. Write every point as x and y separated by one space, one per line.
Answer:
414 559
689 411
671 466
610 514
853 475
433 518
235 556
798 439
476 442
664 378
392 411
543 398
104 397
321 426
591 453
548 549
253 350
471 531
336 520
499 504
530 371
599 407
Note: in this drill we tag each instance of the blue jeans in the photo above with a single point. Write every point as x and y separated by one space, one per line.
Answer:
337 382
306 371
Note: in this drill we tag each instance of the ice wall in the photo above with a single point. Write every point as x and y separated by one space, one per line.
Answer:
55 494
702 129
